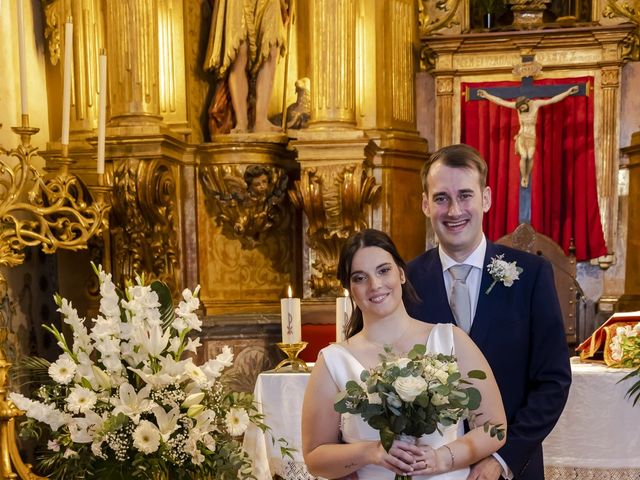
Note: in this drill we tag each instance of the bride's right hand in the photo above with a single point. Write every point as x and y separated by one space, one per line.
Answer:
399 459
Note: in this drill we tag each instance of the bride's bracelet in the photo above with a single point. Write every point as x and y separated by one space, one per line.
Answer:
453 457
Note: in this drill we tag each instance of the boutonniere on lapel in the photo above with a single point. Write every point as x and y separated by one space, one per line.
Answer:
503 272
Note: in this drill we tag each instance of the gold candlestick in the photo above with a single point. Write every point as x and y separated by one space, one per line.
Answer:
292 350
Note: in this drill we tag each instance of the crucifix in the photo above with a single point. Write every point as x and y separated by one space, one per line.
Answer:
522 98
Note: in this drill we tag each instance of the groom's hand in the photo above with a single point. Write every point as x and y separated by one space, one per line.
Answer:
486 469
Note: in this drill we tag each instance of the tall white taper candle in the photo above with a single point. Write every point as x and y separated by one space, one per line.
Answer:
102 110
66 85
24 104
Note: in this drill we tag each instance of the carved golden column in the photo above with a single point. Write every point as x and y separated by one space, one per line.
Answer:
630 300
132 43
444 107
607 163
88 39
332 45
396 152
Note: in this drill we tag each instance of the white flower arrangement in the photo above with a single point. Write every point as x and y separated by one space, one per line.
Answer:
502 271
123 400
625 346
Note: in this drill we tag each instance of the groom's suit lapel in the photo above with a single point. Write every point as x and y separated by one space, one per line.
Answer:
437 302
487 303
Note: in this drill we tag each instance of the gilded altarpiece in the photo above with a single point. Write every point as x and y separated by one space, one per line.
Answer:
247 229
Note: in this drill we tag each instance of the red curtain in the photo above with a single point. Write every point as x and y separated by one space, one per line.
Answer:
564 197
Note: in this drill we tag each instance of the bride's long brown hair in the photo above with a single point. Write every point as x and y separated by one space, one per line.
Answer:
369 238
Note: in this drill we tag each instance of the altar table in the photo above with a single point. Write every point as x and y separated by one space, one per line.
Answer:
279 397
598 434
596 438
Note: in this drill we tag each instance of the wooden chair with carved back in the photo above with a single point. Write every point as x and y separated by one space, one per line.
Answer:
524 237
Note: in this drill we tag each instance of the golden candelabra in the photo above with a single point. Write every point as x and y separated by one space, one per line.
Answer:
53 211
11 465
292 350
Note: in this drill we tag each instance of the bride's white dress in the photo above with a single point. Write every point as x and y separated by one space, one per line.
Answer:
343 367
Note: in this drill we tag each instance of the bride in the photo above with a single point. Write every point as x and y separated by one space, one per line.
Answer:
336 446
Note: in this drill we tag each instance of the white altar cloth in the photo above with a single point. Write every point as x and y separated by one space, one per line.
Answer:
279 396
599 430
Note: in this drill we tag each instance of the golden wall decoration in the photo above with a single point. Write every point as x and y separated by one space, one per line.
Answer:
335 199
631 12
433 16
145 221
248 251
248 204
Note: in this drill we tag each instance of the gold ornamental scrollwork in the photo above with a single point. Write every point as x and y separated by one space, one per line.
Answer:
631 11
248 204
436 15
56 211
334 200
52 33
146 221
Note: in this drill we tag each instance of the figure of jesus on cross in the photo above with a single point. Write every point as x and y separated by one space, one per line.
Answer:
525 139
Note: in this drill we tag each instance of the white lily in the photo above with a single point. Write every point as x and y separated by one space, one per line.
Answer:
132 404
167 421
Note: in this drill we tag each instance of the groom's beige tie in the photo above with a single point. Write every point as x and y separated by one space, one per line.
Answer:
460 301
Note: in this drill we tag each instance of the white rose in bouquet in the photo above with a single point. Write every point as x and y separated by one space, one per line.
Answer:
409 388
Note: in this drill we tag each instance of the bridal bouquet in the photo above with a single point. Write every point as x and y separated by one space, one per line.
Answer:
123 400
412 395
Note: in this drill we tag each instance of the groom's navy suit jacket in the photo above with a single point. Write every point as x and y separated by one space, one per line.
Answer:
520 331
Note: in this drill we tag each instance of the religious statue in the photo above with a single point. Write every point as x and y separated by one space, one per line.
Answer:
527 115
245 40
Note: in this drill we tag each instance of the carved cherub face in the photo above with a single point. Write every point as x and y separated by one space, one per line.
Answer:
259 185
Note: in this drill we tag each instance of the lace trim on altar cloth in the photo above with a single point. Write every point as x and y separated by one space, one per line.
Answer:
578 473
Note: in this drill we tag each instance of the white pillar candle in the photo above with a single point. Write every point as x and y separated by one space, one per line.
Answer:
291 320
66 85
102 110
343 315
23 60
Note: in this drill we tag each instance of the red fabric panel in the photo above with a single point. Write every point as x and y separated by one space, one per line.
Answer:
318 336
564 197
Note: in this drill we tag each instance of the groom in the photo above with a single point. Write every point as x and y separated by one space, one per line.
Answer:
518 327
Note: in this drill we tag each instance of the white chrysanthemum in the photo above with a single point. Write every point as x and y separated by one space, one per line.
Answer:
146 437
81 400
62 370
237 421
